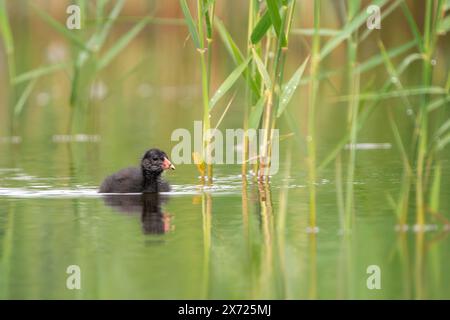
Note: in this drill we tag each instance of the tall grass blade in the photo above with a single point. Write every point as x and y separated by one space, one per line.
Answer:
121 44
229 43
39 72
60 28
346 32
7 36
225 111
24 97
228 83
435 189
443 142
413 26
262 70
99 38
256 114
378 59
399 142
434 90
310 32
438 103
272 7
444 26
340 192
261 28
208 18
236 55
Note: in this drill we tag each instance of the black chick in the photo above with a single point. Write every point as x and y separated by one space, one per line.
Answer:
147 178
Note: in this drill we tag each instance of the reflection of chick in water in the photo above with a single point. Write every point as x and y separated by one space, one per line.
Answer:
154 221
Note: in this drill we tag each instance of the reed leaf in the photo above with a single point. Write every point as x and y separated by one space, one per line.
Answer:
261 28
378 59
435 189
372 62
443 128
5 28
8 40
443 142
272 8
321 32
190 23
39 72
236 54
384 13
398 93
24 97
399 142
348 29
393 72
225 111
256 113
262 70
444 25
99 38
229 43
60 28
121 44
293 125
413 26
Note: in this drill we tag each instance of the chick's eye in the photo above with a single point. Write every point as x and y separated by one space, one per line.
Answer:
155 159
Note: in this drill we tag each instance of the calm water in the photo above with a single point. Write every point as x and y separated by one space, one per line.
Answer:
229 241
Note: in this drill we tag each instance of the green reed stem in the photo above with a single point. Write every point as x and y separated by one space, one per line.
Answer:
352 113
205 70
248 92
273 98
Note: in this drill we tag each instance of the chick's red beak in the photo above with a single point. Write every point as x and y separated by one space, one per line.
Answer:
167 164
